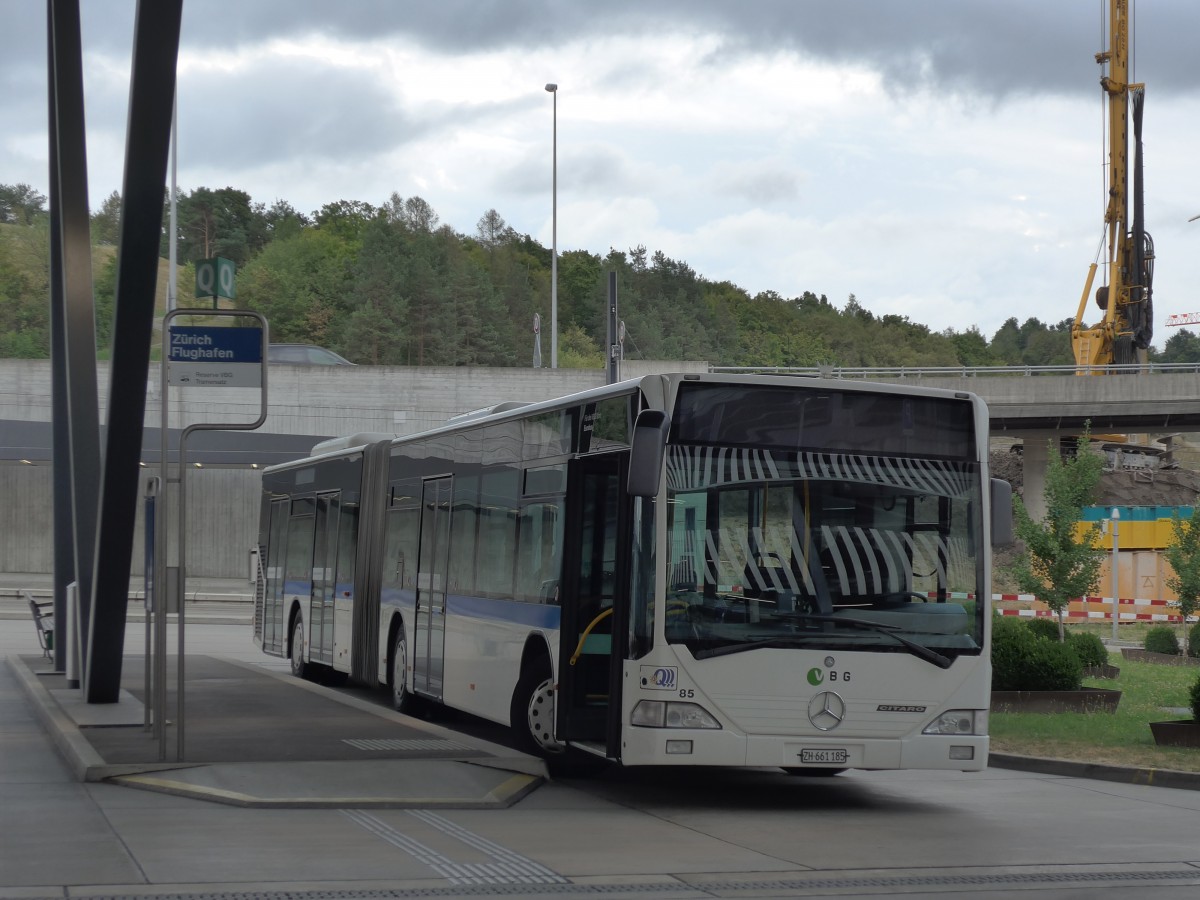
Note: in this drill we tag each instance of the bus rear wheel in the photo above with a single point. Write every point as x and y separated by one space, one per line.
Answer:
532 712
402 698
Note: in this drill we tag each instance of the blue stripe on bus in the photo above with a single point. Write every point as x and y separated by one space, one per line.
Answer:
532 615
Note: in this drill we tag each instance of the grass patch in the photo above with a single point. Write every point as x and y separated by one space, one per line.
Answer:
1123 738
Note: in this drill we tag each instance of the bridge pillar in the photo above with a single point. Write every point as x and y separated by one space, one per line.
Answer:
1034 459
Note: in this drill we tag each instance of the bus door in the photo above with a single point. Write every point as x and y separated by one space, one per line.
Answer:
274 637
320 610
430 620
595 602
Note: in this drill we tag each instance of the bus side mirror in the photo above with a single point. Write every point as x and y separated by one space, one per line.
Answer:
1002 513
647 452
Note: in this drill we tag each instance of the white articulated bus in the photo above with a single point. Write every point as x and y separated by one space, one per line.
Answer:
676 570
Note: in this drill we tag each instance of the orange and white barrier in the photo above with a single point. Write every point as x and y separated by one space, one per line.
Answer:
1130 610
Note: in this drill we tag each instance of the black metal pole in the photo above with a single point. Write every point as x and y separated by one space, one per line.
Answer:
613 364
147 143
74 273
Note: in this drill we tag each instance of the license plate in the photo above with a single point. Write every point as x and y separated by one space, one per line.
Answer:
824 757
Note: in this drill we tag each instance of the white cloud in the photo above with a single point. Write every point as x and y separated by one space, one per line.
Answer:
934 159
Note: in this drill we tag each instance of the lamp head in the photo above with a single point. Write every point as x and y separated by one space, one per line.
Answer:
552 87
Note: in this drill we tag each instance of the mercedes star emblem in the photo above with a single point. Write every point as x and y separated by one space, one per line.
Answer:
826 710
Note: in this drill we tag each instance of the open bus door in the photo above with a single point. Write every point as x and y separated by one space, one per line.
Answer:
595 603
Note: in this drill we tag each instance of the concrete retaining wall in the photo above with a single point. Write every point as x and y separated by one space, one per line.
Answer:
317 400
222 521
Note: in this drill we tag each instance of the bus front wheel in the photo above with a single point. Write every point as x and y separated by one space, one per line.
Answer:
532 712
300 668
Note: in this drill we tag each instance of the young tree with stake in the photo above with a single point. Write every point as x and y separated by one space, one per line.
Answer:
1058 566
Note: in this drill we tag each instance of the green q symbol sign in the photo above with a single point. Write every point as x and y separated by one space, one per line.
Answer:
815 676
215 278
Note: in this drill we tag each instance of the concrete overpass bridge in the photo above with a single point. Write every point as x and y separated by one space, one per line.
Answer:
1040 404
1050 399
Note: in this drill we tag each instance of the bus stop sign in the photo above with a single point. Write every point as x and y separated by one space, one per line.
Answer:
214 356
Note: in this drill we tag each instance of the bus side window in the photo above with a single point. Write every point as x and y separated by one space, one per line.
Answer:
497 533
539 552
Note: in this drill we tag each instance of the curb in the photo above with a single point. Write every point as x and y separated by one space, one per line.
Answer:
87 765
1168 778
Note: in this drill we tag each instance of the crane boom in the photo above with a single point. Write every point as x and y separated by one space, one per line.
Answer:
1125 330
1192 318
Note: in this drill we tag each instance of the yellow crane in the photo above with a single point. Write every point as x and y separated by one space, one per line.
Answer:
1124 332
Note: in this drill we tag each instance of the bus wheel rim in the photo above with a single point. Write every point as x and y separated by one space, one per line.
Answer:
541 717
297 647
399 668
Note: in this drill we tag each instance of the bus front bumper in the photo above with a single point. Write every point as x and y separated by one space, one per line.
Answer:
705 747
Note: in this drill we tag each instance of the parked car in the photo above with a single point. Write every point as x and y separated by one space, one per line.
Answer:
304 355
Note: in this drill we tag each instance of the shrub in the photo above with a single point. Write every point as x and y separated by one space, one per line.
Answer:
1011 643
1052 667
1021 661
1044 627
1162 639
1089 648
1196 700
1193 640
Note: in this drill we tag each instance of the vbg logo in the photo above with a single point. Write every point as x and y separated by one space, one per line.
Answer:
815 676
664 678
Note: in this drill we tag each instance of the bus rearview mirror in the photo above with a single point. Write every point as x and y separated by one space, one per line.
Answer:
647 452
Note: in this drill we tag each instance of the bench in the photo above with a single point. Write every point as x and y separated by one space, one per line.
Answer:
43 621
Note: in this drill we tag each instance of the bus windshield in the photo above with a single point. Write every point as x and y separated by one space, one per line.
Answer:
787 548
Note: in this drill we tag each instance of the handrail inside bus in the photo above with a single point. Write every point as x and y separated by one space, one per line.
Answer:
583 637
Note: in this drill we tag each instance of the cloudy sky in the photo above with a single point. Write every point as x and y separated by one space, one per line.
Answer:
939 159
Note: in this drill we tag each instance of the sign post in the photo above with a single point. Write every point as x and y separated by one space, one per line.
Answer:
205 356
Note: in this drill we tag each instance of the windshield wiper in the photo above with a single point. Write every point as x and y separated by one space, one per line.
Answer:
918 650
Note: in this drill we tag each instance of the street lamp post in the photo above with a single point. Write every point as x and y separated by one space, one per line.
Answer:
553 89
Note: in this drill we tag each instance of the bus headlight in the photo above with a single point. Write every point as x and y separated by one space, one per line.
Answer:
666 714
958 721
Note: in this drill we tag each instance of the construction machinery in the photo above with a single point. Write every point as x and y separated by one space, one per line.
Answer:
1123 334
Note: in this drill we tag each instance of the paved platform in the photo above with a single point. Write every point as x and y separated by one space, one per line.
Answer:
255 737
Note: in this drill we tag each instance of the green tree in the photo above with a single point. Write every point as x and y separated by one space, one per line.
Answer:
576 350
345 218
1183 553
971 347
373 331
106 221
20 204
222 222
1057 565
24 325
1182 347
1007 344
283 221
25 289
301 284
